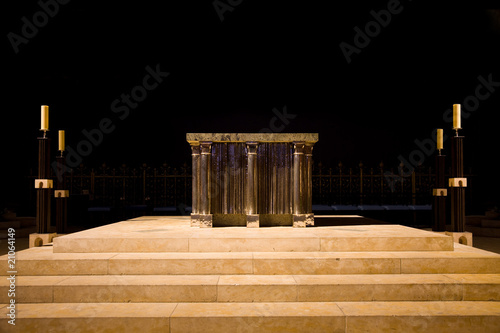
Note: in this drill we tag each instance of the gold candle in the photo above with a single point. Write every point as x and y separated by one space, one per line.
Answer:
456 117
62 141
45 118
439 140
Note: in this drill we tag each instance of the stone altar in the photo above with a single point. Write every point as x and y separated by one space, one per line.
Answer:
252 179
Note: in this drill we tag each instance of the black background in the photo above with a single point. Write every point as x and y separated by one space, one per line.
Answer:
228 76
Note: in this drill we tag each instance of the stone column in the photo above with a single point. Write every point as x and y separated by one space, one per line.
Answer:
205 218
251 190
299 218
308 183
195 205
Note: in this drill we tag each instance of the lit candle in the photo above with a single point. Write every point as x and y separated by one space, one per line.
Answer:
456 117
62 143
439 140
45 118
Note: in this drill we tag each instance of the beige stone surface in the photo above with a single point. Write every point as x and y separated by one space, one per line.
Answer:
479 287
257 317
325 263
350 278
256 288
41 261
171 244
137 288
449 316
464 238
174 234
465 259
42 238
181 263
253 244
455 265
90 317
31 289
421 316
386 244
391 287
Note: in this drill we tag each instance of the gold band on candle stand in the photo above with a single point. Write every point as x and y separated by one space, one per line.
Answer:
457 182
44 183
439 192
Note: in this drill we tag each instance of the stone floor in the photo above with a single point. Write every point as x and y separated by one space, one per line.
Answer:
485 243
156 274
491 244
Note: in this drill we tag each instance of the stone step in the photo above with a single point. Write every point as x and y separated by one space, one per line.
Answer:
492 214
474 219
166 234
253 288
5 225
484 232
490 223
464 260
315 317
27 221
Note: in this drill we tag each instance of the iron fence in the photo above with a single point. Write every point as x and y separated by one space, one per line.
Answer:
167 186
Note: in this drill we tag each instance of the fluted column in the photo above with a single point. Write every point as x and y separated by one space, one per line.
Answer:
195 203
299 216
251 191
308 183
205 217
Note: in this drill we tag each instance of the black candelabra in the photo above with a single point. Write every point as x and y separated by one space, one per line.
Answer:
43 184
457 182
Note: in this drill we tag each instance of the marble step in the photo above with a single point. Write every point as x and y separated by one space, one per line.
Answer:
171 235
253 288
464 260
315 317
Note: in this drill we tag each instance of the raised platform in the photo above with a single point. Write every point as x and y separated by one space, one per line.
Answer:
174 234
365 278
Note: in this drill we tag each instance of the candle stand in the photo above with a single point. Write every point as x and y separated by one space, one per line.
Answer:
44 187
61 195
43 184
440 192
457 184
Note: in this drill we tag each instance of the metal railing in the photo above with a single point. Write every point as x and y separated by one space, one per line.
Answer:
167 186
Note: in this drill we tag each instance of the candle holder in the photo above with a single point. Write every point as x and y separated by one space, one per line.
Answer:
440 192
61 196
43 184
457 184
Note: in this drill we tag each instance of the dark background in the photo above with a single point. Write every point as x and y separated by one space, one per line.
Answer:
228 76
